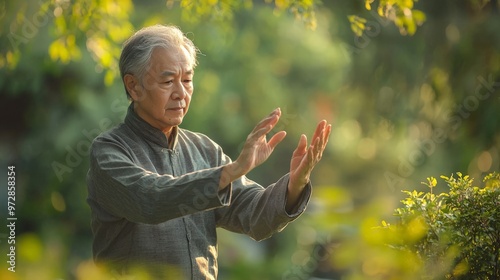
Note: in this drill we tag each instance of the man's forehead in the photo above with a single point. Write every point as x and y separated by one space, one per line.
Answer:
167 62
172 73
178 54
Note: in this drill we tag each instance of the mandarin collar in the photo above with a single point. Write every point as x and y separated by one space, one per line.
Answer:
145 130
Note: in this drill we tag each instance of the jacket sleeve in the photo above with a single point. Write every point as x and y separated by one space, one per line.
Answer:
124 189
260 212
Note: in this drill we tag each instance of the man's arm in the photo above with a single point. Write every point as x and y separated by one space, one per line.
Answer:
127 190
257 149
259 212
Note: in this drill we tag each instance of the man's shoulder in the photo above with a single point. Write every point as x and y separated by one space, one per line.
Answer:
118 136
115 132
191 134
195 137
199 146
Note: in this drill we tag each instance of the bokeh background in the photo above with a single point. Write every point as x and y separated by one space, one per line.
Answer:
403 106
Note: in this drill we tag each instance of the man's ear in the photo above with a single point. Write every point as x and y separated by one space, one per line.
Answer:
133 87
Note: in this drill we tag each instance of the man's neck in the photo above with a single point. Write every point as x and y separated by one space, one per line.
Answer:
171 136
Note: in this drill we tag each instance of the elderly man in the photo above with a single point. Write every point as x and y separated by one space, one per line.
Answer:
157 192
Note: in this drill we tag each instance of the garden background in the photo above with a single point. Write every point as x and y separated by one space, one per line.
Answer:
412 91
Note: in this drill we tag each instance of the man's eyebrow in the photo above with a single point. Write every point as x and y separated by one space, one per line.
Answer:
170 73
167 73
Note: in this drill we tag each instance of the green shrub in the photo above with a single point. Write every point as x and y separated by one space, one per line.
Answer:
455 234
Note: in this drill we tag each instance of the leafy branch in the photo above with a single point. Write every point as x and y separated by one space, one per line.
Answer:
466 217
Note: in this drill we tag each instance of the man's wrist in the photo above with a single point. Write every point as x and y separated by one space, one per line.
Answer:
229 173
294 192
295 185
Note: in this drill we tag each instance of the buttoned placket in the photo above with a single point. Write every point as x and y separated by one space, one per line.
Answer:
174 164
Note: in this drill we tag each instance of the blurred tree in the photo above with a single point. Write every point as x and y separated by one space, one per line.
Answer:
404 108
104 24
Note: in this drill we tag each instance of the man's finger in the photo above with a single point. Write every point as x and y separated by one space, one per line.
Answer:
323 134
328 131
269 119
310 160
276 139
321 139
301 146
256 134
326 136
318 149
319 128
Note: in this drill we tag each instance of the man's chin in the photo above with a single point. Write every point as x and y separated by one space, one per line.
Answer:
171 122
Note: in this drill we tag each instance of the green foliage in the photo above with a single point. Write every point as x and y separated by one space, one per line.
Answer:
456 234
214 10
102 25
401 12
358 24
223 10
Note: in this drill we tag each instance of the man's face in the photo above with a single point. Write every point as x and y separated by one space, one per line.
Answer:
163 98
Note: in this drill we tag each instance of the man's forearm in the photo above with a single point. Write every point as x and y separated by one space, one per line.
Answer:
293 196
229 173
233 171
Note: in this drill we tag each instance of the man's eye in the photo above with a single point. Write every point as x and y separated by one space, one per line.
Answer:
168 82
187 81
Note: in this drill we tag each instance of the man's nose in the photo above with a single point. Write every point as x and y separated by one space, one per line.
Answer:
179 91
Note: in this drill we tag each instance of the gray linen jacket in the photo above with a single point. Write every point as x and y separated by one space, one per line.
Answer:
158 208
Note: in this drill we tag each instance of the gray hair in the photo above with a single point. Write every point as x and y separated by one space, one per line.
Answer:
136 53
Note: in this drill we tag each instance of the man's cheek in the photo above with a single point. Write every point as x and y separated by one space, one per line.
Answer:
149 83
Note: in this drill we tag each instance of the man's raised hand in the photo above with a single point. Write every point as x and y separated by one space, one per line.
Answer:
255 151
303 161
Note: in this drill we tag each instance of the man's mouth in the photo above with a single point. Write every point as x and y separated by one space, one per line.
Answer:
179 107
176 109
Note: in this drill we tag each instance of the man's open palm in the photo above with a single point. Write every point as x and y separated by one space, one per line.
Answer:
257 149
305 158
